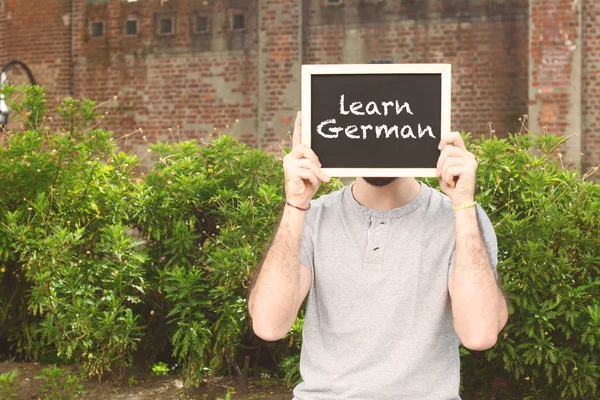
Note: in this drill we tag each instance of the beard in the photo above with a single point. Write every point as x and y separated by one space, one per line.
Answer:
380 181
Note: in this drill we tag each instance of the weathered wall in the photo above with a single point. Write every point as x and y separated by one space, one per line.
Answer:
180 86
199 82
591 86
3 36
40 36
509 58
555 71
280 59
486 43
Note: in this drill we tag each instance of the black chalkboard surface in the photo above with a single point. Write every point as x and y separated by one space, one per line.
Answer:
376 119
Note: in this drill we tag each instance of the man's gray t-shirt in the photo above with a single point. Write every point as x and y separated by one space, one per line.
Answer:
378 322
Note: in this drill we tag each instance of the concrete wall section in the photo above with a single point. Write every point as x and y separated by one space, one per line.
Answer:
555 72
591 86
280 59
3 34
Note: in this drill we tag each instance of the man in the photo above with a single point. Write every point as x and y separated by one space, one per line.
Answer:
396 274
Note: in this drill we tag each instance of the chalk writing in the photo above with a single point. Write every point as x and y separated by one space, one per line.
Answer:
356 108
405 132
372 108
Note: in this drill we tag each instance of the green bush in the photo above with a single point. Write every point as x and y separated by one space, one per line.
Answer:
546 220
160 368
73 274
58 384
105 268
290 360
9 385
206 213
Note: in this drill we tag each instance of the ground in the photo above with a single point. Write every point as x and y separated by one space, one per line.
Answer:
138 385
147 386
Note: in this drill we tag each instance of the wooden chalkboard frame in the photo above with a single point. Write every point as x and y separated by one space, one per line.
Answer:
353 69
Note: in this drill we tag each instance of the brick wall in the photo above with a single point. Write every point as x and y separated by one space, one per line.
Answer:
41 38
486 43
591 86
555 74
3 36
179 86
280 61
509 57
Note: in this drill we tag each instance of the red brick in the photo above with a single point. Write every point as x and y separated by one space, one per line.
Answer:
184 80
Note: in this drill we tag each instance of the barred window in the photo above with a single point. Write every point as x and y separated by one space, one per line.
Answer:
97 29
131 27
166 25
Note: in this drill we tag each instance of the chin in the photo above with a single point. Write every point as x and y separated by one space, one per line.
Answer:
380 181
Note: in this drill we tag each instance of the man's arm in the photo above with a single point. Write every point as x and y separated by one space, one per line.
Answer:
282 283
478 305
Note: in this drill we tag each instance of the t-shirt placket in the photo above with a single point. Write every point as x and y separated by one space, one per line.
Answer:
376 243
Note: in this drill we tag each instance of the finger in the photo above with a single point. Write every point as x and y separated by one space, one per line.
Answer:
323 176
448 178
297 137
448 151
453 138
454 173
310 164
446 168
303 151
449 166
457 170
308 175
443 185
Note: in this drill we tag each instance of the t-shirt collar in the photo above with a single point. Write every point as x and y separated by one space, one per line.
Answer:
350 204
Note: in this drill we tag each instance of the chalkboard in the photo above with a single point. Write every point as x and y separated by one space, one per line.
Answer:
376 119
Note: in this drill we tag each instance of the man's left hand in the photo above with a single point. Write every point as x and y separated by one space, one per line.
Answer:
456 169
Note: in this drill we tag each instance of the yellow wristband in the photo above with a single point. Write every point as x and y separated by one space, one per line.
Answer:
456 208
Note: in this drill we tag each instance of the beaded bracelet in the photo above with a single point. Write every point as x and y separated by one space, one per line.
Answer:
456 208
296 207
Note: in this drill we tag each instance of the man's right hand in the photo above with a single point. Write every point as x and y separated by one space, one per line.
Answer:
302 170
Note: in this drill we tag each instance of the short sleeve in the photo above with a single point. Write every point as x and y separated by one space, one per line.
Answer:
306 247
489 239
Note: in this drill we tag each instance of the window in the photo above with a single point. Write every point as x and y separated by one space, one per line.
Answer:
97 29
201 24
166 26
131 28
238 21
